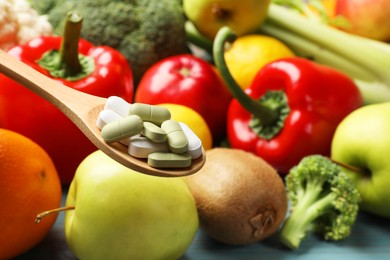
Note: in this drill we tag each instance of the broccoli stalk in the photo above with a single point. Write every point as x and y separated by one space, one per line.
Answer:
323 200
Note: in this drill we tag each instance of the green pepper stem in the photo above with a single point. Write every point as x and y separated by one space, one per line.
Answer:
267 115
69 50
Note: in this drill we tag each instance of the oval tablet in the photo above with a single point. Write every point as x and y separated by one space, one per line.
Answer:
194 142
122 129
154 133
177 141
118 105
169 160
141 147
107 116
150 113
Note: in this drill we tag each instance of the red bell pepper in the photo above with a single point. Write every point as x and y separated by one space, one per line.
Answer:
76 63
291 110
190 81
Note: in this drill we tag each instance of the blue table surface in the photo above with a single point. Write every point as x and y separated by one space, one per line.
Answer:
370 239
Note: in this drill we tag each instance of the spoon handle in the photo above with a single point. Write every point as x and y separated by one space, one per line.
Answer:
82 109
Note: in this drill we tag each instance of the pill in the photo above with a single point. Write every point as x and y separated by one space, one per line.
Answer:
194 142
141 147
126 141
150 113
177 141
154 133
169 160
107 116
118 105
122 129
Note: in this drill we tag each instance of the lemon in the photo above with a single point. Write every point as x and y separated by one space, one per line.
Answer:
249 53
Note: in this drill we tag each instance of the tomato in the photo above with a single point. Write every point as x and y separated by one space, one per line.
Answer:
190 81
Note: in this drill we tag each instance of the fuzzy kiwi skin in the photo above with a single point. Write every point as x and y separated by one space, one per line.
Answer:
240 198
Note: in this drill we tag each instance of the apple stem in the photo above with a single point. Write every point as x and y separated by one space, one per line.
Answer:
219 12
41 215
349 167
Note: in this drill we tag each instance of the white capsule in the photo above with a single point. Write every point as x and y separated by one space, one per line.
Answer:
141 147
194 142
118 105
107 116
127 140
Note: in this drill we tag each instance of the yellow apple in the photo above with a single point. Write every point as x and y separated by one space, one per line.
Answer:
123 214
242 17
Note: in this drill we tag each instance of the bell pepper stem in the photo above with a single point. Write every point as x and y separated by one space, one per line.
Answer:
69 53
67 63
267 115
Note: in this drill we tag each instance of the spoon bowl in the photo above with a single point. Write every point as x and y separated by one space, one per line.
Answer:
83 110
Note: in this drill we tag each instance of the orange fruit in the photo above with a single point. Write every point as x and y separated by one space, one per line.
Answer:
29 185
249 53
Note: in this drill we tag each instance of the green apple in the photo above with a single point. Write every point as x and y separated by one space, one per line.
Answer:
362 140
243 17
123 214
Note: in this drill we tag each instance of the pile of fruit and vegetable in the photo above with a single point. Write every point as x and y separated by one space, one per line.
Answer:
290 99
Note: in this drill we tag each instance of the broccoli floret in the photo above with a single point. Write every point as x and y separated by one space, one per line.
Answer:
323 200
44 6
56 15
144 31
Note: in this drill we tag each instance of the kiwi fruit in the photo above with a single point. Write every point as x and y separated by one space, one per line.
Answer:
240 198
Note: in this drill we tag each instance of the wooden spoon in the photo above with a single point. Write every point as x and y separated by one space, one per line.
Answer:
83 109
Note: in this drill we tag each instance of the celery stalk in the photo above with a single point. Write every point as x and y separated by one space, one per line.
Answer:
366 61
